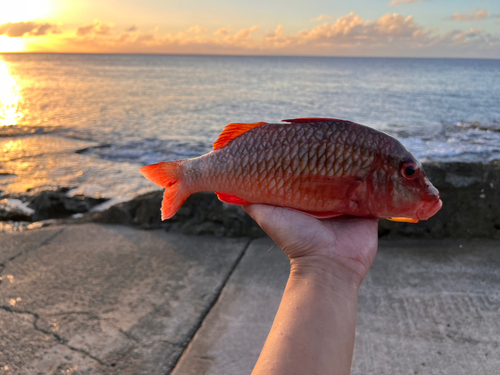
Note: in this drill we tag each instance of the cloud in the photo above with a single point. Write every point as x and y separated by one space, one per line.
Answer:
466 35
390 35
196 29
399 2
244 33
131 29
477 14
352 30
349 32
221 32
97 28
84 30
323 17
20 29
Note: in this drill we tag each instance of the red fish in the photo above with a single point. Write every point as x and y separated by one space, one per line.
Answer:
323 167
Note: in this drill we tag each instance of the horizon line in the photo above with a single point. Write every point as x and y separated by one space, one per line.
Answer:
242 55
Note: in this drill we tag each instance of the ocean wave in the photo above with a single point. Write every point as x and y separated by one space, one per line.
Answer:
464 141
472 141
150 151
18 130
461 142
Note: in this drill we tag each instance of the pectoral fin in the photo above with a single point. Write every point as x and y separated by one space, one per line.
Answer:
320 215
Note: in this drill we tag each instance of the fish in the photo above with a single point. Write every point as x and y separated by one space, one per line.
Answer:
322 167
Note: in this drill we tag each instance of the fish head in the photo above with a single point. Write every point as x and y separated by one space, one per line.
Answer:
401 189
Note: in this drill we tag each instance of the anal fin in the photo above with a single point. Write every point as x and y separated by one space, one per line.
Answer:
402 219
231 199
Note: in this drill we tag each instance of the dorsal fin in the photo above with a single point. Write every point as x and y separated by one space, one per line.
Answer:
310 119
232 131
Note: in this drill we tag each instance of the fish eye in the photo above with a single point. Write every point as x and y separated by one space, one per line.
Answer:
409 170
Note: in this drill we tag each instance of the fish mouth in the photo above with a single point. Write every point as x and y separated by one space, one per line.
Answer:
427 210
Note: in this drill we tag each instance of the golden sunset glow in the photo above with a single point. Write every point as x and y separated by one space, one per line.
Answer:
397 28
9 97
23 10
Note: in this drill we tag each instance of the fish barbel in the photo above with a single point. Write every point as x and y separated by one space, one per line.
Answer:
322 167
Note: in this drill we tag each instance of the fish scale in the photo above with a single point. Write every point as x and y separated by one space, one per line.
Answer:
324 167
259 177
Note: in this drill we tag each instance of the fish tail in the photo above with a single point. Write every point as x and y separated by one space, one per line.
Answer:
167 175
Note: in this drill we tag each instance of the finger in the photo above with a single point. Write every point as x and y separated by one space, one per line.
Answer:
280 223
266 216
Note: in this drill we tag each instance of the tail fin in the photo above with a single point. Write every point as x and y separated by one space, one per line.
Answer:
166 175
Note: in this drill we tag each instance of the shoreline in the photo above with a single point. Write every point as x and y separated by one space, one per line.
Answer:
470 193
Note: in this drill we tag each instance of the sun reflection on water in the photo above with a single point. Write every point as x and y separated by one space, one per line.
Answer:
10 97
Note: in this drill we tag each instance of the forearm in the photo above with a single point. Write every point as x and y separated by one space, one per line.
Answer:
314 329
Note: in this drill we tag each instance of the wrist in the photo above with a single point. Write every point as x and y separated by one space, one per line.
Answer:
344 273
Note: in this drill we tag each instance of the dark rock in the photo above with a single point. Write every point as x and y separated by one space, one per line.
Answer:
55 204
117 214
14 210
470 194
202 213
143 211
90 148
147 212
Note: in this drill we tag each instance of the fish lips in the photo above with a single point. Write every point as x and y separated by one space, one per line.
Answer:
429 209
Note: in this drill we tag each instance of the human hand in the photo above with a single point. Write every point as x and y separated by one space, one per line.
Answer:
347 245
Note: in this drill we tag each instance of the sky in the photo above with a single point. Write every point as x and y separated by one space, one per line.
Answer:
388 28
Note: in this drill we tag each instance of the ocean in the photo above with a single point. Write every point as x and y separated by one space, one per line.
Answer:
88 122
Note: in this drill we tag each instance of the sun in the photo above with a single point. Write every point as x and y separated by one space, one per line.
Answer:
23 10
11 44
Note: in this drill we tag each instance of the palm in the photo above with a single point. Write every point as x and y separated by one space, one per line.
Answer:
347 240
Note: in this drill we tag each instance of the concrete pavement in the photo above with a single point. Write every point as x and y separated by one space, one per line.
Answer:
97 299
426 307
